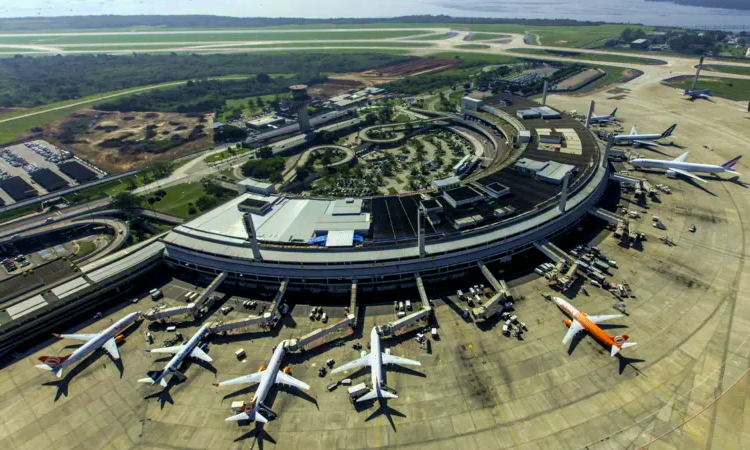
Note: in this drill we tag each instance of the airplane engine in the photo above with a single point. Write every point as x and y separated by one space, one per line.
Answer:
261 368
119 339
671 174
567 323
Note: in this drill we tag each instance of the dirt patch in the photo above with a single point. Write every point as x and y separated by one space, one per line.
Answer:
393 73
119 142
561 42
334 87
578 79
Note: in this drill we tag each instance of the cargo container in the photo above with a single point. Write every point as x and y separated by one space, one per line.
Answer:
240 353
238 407
357 390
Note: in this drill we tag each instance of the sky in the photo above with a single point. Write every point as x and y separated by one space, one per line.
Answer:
237 8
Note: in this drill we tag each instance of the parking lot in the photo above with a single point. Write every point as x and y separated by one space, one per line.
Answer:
22 160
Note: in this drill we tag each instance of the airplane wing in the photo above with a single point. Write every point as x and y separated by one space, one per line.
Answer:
633 131
390 359
170 350
80 337
597 319
111 347
682 157
688 174
648 143
575 327
704 96
252 378
356 364
200 354
282 378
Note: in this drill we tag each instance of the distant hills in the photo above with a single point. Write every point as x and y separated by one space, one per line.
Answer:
726 4
206 21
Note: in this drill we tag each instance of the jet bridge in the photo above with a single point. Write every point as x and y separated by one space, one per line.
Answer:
422 292
210 290
552 251
162 312
220 327
316 337
496 285
280 294
603 214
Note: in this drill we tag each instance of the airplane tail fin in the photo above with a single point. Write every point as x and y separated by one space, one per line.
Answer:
247 415
53 364
730 164
620 343
373 395
614 112
153 376
669 131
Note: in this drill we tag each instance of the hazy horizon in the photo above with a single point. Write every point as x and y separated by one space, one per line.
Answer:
633 11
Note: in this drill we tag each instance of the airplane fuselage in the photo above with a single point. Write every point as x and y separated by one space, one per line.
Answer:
268 378
376 361
688 167
99 341
592 328
184 351
637 137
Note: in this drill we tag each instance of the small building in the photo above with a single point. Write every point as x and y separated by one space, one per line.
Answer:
505 211
554 172
524 136
257 187
462 196
497 190
470 103
431 206
526 114
529 166
348 206
254 206
640 44
444 184
375 91
547 113
349 103
552 138
265 122
466 222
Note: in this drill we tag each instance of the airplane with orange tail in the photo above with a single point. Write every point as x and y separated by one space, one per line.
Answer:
107 339
582 321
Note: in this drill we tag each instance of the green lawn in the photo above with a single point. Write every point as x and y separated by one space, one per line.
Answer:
242 103
94 38
107 189
343 44
472 46
484 57
401 118
737 70
433 37
486 36
177 199
589 56
739 89
84 248
226 154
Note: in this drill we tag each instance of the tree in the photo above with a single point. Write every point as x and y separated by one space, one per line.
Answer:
263 78
259 102
265 152
126 200
207 202
161 169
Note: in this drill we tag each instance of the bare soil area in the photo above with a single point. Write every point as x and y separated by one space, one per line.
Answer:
117 142
393 73
578 79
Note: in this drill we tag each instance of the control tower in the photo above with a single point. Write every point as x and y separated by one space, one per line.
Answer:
301 99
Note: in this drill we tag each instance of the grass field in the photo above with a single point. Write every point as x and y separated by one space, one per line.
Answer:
433 37
486 36
84 248
737 70
342 44
225 154
730 88
472 46
484 57
590 56
177 198
242 103
204 37
156 47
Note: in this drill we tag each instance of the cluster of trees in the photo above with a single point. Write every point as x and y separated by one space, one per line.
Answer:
203 95
631 34
265 168
697 43
33 81
213 197
424 83
206 21
727 4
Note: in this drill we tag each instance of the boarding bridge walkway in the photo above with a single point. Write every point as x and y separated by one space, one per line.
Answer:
305 341
280 294
220 327
552 251
603 214
161 312
422 292
203 298
353 299
497 286
624 178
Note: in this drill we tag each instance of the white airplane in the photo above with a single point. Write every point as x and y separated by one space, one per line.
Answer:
375 360
698 93
267 378
107 339
603 119
190 348
643 139
678 166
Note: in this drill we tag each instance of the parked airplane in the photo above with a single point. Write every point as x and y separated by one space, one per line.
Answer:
698 93
180 352
267 378
643 139
375 360
582 321
603 119
678 166
107 339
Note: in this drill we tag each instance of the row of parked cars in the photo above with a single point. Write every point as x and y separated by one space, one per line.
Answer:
12 264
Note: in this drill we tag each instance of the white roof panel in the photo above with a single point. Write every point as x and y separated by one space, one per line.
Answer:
340 238
70 287
26 306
